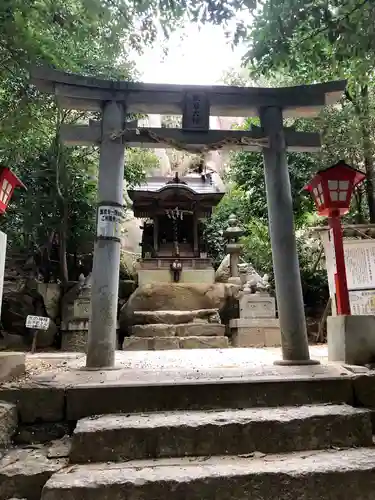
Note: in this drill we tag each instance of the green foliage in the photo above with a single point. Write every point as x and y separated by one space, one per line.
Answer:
234 202
247 172
247 200
57 213
315 39
318 40
137 162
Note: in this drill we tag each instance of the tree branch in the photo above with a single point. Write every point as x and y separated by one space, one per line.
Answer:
338 20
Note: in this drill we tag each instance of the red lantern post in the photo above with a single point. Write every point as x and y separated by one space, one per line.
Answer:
8 183
332 190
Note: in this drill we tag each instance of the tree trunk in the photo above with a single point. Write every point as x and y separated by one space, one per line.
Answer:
61 176
358 197
64 275
362 110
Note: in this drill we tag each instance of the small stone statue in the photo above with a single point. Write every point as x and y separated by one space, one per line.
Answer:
247 289
263 285
84 282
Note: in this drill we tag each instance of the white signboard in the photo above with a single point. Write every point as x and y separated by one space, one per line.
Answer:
362 302
360 272
360 264
110 220
37 322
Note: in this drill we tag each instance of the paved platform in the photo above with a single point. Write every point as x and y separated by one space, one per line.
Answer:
181 367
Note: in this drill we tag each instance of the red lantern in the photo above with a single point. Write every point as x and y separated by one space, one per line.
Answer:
8 182
332 191
332 188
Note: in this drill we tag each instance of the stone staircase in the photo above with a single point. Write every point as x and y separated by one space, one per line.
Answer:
308 452
158 330
224 441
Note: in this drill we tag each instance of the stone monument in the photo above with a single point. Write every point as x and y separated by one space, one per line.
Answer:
75 324
257 325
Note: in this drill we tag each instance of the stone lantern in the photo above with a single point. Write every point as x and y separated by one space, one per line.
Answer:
232 234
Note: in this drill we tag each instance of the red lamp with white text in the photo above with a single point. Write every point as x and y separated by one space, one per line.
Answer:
8 183
332 191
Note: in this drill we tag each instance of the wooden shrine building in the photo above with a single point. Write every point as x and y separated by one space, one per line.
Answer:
174 209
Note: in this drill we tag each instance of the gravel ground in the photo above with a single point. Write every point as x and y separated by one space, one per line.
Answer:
197 363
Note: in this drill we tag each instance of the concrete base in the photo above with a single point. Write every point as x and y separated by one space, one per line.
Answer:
257 332
12 364
235 280
351 339
74 335
74 341
147 276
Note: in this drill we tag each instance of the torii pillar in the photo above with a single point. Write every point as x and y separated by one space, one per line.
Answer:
106 267
283 242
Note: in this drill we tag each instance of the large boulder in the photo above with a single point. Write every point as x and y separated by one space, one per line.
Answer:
17 306
177 297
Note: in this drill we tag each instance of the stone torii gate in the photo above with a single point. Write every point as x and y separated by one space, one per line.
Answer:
115 99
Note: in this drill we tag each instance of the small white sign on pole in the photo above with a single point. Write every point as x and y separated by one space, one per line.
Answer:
37 322
110 220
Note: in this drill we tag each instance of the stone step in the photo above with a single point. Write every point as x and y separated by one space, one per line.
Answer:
181 330
171 342
24 471
206 433
175 317
195 394
319 475
8 423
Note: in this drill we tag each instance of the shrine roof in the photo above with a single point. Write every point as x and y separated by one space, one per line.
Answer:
192 183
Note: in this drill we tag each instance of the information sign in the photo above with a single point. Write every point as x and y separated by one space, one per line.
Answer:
110 220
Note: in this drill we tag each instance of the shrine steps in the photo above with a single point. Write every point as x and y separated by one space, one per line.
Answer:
8 423
161 330
326 475
266 438
172 342
312 452
124 437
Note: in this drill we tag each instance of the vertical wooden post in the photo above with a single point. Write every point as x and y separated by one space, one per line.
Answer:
289 296
106 267
156 234
195 235
341 284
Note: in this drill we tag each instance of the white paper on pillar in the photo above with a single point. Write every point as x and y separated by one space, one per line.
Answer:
110 220
3 251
